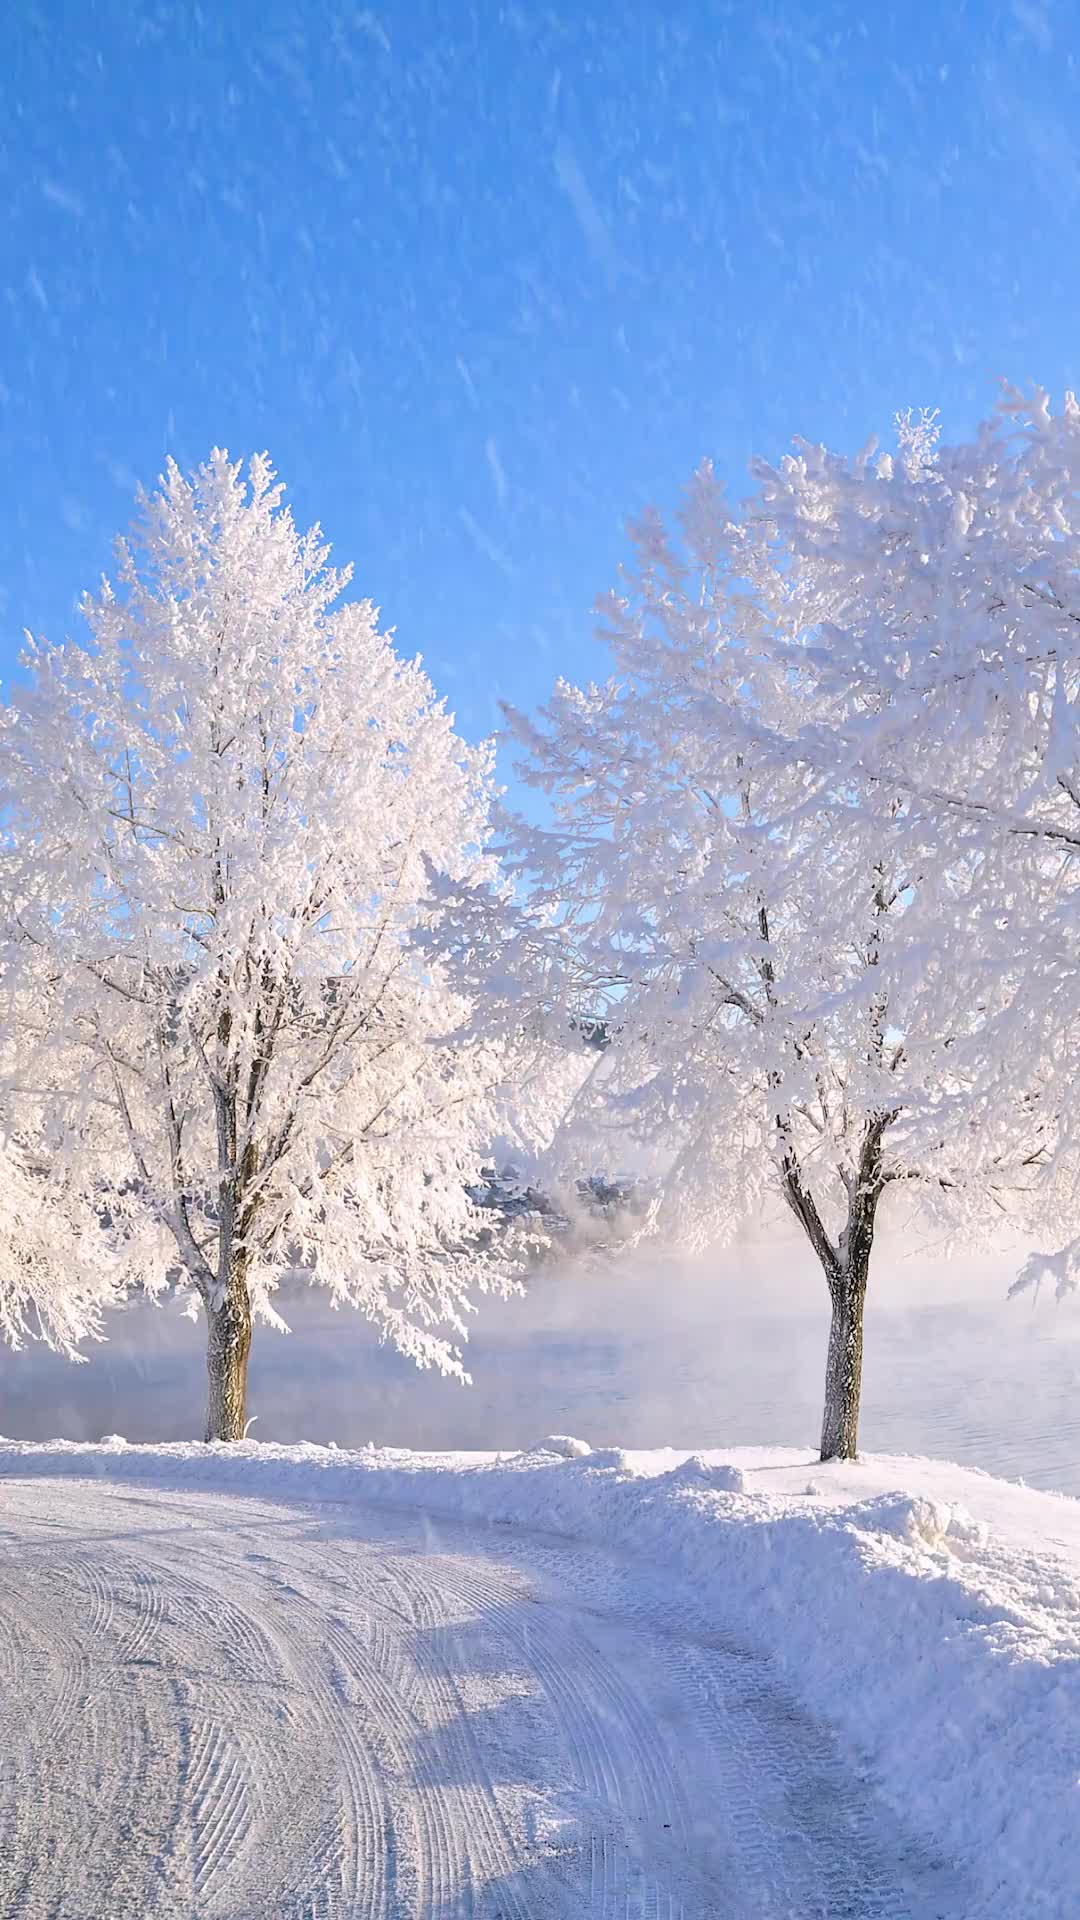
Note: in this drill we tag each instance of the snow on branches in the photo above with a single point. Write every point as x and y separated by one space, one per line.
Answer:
225 810
941 592
748 908
55 1278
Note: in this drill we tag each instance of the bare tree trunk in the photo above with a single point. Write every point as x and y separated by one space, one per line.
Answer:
843 1368
846 1265
228 1345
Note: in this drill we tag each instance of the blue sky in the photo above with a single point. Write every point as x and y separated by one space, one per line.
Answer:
485 279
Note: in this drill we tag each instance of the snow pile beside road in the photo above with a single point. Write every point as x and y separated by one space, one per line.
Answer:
932 1614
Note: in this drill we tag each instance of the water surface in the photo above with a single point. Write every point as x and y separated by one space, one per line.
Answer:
687 1357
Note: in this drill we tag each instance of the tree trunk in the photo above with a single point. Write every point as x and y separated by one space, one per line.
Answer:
843 1369
228 1345
846 1265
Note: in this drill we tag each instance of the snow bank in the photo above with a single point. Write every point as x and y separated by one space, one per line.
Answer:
931 1613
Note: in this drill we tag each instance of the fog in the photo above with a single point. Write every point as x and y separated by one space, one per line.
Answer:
643 1350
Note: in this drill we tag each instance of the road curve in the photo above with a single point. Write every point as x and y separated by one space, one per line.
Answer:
218 1708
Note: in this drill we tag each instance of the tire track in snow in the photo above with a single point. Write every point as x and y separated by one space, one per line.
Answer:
457 1842
149 1611
377 1670
68 1752
349 1863
801 1835
487 1848
237 1710
213 1781
197 1777
426 1856
620 1763
227 1836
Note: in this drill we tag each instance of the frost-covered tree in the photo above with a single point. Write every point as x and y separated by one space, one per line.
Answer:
941 587
743 926
55 1278
223 815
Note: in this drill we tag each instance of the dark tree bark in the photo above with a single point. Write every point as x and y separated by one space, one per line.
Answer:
228 1302
843 1368
228 1347
846 1265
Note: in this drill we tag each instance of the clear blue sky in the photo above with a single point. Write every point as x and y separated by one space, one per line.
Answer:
486 278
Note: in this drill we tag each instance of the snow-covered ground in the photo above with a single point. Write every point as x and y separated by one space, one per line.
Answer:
299 1681
296 1681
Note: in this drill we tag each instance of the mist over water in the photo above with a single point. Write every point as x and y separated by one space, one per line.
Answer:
646 1350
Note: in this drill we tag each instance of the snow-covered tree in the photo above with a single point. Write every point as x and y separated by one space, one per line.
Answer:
223 813
941 587
743 926
55 1278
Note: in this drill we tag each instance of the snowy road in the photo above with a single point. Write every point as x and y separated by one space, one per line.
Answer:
217 1706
